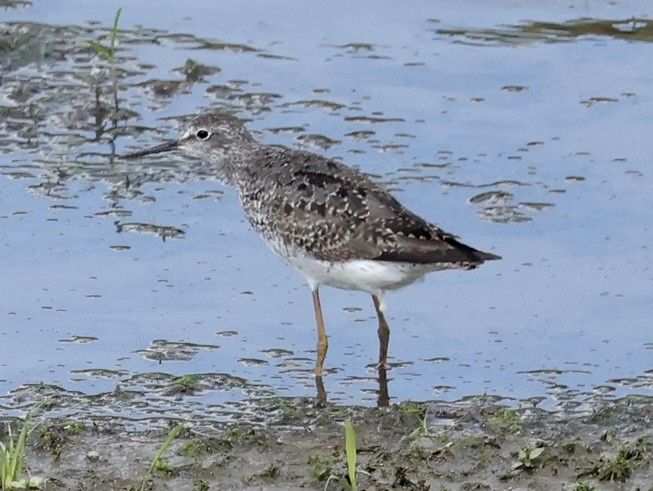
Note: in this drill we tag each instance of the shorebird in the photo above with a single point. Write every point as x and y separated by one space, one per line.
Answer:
330 222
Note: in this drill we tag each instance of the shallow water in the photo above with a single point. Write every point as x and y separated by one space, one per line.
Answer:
518 127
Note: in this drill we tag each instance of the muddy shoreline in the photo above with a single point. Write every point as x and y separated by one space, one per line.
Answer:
297 443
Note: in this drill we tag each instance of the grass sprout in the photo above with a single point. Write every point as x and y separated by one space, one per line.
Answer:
352 460
158 458
350 451
12 460
108 52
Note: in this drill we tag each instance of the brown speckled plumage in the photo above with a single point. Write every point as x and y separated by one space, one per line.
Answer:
331 222
331 211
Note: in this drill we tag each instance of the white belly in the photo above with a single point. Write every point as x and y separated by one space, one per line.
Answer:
365 275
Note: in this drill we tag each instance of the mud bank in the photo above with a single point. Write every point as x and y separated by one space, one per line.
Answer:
476 444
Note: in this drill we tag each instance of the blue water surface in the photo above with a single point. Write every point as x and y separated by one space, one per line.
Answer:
528 142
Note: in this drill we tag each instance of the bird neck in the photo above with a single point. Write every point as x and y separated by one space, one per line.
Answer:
239 161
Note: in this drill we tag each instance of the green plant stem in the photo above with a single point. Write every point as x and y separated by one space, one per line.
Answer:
350 450
172 434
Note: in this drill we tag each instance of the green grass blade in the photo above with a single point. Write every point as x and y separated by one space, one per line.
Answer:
350 450
101 50
114 33
12 456
172 434
19 450
5 464
108 52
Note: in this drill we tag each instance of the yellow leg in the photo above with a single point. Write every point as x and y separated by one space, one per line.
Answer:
322 339
383 331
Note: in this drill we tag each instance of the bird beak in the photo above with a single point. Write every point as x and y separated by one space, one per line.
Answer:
164 147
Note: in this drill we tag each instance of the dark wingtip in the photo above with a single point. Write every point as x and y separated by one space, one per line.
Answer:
473 256
487 256
449 251
465 255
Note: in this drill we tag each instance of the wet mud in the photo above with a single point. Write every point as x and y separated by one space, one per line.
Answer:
476 444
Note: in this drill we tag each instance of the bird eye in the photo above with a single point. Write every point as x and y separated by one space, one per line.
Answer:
203 134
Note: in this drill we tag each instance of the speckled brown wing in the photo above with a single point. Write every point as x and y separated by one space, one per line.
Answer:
335 213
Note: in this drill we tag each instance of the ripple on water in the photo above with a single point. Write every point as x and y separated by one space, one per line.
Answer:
481 132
